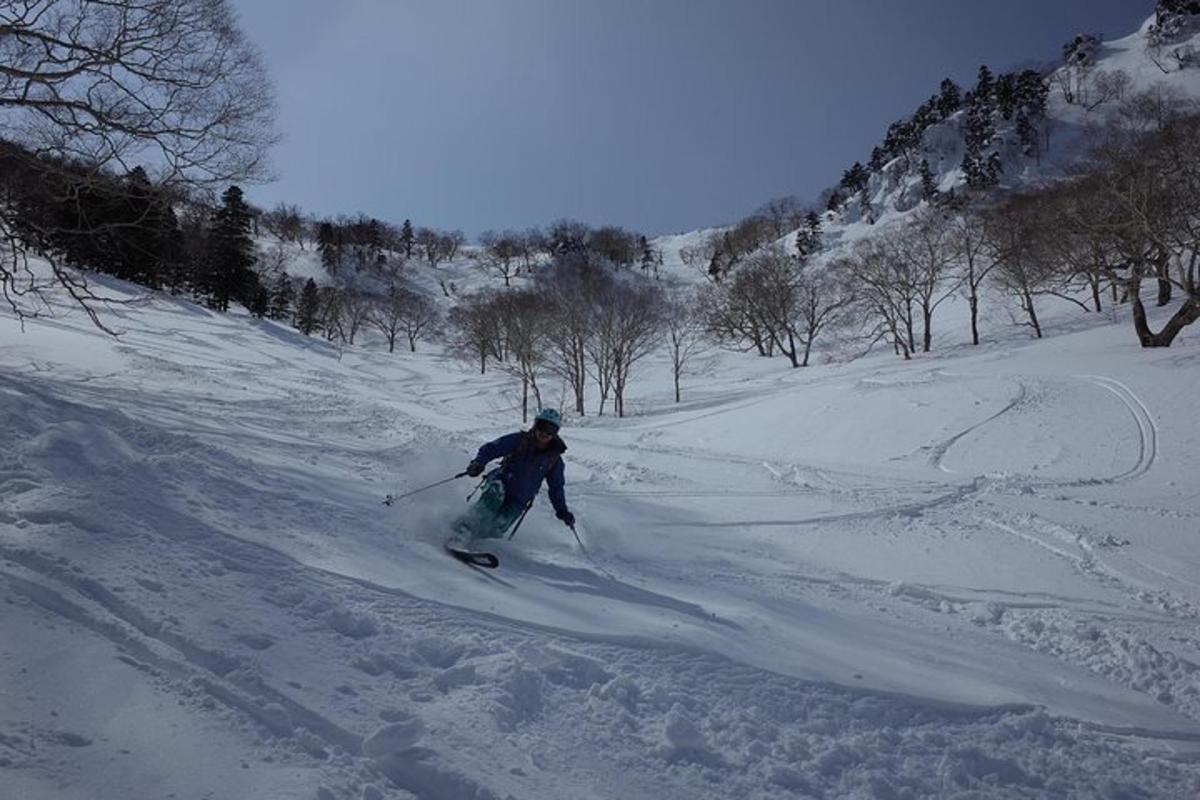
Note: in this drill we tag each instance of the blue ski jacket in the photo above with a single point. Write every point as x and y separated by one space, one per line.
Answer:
525 466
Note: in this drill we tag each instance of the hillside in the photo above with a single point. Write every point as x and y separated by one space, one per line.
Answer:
975 573
1107 74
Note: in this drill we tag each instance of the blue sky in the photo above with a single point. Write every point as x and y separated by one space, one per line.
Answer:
658 115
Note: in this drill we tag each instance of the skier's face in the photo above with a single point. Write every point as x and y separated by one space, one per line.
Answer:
543 431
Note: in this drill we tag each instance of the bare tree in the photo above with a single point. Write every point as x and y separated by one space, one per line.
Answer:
783 215
534 246
735 314
286 223
102 85
454 243
1108 87
1017 240
968 240
885 294
435 246
628 327
795 301
525 318
824 300
354 311
402 312
500 253
613 245
329 312
1085 259
477 329
926 249
385 317
685 333
571 328
1151 183
419 318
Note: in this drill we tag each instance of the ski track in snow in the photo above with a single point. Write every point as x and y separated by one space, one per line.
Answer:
560 712
199 537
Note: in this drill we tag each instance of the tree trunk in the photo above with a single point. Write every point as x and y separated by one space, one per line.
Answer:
1162 268
676 384
974 300
1033 319
927 319
908 327
537 390
1188 313
791 351
1164 292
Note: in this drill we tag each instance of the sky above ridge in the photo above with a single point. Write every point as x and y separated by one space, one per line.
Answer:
660 116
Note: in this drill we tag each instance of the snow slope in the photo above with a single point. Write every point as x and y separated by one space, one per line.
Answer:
974 573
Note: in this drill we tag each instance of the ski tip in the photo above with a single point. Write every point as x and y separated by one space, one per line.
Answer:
474 558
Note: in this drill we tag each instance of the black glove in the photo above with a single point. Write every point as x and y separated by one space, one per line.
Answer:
474 469
567 517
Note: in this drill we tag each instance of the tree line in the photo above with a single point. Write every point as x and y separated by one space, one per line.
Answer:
89 89
578 322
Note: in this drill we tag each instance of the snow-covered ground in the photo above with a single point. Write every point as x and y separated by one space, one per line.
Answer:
970 575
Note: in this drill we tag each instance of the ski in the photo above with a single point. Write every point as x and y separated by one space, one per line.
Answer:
475 558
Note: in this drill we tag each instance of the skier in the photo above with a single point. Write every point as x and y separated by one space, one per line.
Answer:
529 457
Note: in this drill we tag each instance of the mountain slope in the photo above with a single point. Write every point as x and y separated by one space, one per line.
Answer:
868 578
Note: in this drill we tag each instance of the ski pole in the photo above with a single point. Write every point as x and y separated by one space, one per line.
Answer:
520 519
577 539
387 501
479 486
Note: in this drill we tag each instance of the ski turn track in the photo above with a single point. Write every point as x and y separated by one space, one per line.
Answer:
1147 430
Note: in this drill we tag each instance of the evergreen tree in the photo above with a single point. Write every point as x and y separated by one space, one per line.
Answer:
977 134
993 168
309 308
928 187
878 159
855 179
984 86
260 304
282 296
329 246
901 139
1032 93
808 238
949 98
1172 19
648 260
230 255
135 244
176 271
1006 94
1027 134
407 238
